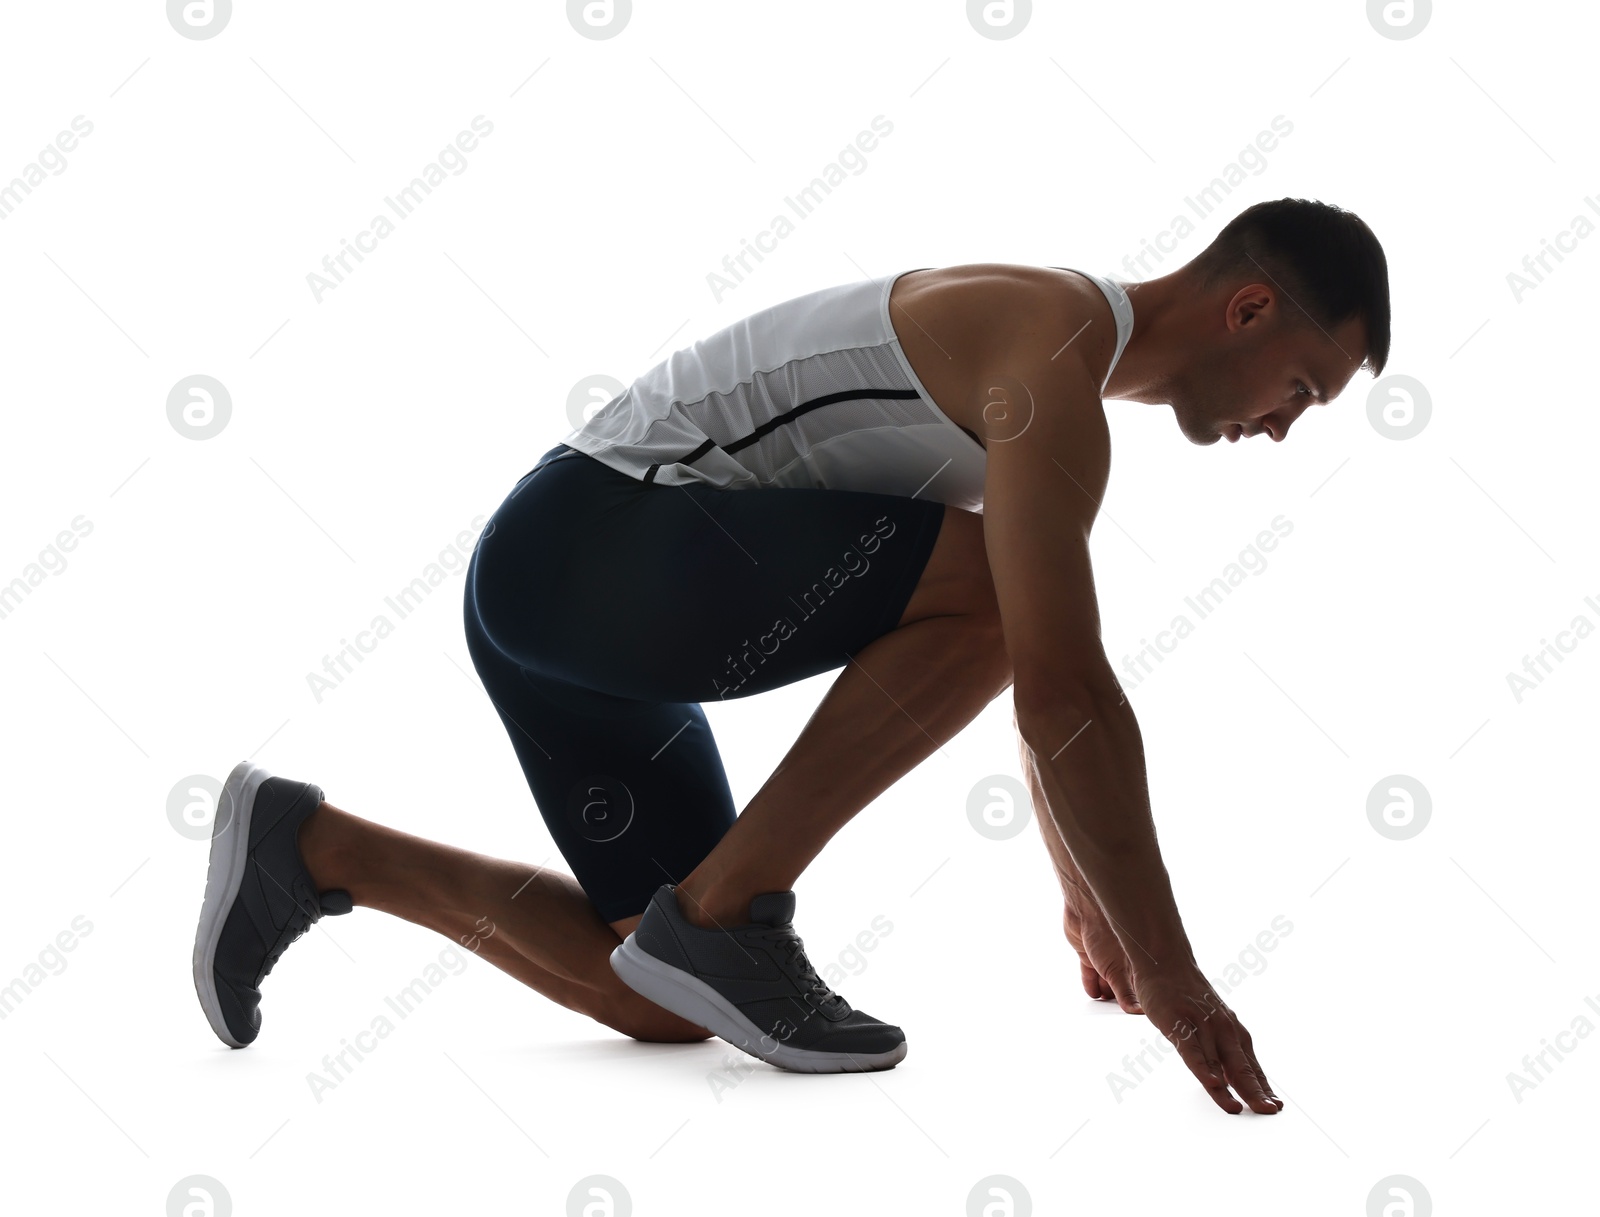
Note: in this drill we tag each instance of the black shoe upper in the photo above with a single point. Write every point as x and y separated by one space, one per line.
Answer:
762 968
276 904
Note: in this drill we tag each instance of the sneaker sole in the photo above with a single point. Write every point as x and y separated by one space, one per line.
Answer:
691 998
230 846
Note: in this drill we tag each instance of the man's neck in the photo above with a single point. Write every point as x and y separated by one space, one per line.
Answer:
1163 312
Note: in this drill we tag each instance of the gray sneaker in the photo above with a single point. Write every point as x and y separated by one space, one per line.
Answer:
259 897
753 986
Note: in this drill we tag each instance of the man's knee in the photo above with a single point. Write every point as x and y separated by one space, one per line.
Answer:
643 1020
668 1029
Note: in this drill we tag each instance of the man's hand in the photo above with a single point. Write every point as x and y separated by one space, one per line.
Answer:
1209 1037
1107 975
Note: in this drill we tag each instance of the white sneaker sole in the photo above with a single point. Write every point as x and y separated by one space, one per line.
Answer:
230 844
688 997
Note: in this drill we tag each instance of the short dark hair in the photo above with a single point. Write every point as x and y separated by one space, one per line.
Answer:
1324 259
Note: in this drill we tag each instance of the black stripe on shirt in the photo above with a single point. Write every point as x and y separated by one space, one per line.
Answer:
788 416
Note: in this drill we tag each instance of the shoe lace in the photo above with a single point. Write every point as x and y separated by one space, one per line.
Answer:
814 985
300 919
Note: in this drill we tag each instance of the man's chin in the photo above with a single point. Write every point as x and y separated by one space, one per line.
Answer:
1196 431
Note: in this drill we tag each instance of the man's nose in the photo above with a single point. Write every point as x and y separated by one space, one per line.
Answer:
1277 423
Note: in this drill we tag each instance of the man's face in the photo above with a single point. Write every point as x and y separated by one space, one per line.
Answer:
1261 374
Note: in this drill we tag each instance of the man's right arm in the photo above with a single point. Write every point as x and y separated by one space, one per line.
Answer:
1046 476
1041 497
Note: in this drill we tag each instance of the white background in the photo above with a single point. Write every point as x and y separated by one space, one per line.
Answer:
371 428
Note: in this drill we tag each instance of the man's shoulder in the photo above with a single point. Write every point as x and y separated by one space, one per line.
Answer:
1045 423
1037 314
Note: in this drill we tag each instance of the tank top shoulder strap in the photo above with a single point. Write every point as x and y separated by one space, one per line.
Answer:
1121 309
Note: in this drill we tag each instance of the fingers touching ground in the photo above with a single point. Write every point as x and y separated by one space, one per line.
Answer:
1109 983
1217 1051
1246 1074
1093 984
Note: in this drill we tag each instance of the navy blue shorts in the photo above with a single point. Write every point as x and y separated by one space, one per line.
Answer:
601 613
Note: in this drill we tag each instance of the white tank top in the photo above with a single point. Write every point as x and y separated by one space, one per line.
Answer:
813 392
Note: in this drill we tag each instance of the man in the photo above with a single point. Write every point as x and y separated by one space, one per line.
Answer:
630 577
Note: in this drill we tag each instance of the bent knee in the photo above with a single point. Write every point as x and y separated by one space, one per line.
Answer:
643 1020
668 1029
664 1035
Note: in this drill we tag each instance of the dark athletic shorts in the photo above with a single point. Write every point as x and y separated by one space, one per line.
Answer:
601 612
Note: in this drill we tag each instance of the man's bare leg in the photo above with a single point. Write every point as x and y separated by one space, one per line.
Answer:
900 698
536 925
